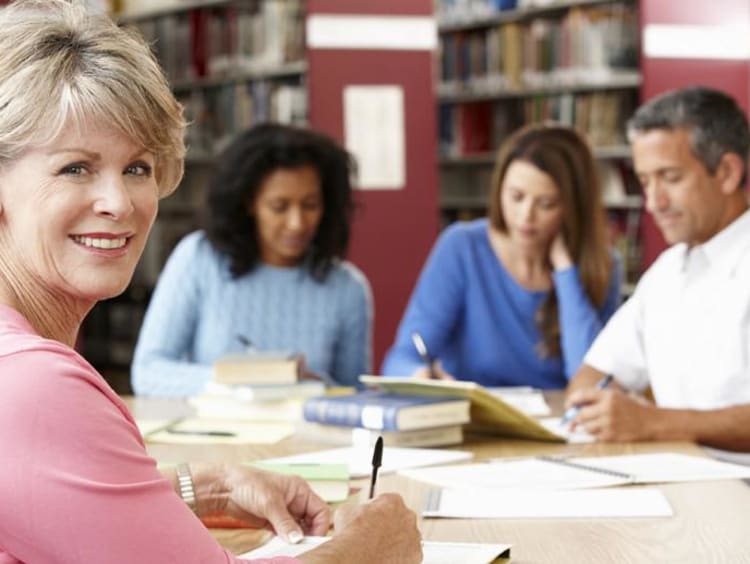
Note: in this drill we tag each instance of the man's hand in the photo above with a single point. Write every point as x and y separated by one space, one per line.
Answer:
613 416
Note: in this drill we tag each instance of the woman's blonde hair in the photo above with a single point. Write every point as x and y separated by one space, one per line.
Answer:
61 67
565 156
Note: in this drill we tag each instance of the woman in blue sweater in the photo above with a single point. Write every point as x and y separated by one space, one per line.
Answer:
267 269
517 299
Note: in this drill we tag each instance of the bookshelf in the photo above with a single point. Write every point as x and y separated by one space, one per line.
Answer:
506 63
231 63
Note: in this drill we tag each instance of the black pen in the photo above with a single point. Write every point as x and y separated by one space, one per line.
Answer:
202 433
245 342
573 410
418 341
377 460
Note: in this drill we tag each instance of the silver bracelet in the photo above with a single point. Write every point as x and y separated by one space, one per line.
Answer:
185 483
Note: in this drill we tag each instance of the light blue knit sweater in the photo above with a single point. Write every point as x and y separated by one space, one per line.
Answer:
198 310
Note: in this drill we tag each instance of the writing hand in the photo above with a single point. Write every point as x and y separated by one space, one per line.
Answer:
423 372
614 416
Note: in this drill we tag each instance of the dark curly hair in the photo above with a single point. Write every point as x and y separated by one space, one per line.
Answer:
241 170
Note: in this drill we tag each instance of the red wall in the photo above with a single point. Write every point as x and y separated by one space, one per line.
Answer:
660 75
393 229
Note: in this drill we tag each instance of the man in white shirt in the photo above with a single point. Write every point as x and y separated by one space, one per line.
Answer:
686 330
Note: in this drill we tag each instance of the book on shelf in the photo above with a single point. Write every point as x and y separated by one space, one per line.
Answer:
257 368
489 413
384 411
360 437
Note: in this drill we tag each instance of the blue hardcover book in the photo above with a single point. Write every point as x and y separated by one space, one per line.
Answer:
384 411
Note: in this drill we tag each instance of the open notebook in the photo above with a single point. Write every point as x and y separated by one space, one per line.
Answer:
529 504
432 552
551 473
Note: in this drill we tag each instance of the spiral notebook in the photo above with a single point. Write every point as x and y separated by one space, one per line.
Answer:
554 473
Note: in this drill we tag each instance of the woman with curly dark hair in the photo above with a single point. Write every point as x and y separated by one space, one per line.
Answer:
268 269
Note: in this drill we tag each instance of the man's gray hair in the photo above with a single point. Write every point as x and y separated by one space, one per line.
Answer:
715 123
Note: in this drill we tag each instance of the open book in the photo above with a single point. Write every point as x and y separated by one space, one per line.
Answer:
550 473
489 412
432 552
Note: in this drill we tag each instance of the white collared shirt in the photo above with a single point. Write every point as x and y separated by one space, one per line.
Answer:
686 329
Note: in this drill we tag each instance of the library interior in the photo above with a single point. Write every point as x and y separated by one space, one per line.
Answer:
429 281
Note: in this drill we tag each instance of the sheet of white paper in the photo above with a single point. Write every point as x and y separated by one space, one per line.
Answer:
148 426
507 504
576 436
432 552
528 400
374 134
360 459
515 474
668 467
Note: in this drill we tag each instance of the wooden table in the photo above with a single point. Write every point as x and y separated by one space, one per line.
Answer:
711 520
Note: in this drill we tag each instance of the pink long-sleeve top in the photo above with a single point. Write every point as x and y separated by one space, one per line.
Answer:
76 483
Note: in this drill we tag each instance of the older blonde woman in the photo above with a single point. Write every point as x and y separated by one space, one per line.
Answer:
90 139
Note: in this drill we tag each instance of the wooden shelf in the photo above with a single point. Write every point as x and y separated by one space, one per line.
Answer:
631 202
488 159
449 24
175 7
620 80
294 68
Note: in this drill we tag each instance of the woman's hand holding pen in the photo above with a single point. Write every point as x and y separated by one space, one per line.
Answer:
436 373
382 529
612 415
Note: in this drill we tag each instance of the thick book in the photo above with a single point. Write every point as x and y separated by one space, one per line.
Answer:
489 413
257 369
384 411
359 437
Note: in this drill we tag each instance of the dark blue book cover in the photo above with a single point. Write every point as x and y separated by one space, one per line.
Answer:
386 411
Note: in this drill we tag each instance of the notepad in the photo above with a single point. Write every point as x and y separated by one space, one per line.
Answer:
432 552
195 430
549 473
509 504
359 459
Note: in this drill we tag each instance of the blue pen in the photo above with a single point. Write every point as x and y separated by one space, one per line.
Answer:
573 410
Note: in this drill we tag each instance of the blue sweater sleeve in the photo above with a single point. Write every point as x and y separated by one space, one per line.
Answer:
580 322
352 354
434 307
161 364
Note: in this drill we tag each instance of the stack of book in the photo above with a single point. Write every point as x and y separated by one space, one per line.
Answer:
402 420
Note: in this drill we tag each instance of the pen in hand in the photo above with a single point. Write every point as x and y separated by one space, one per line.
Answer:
573 410
377 460
419 344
